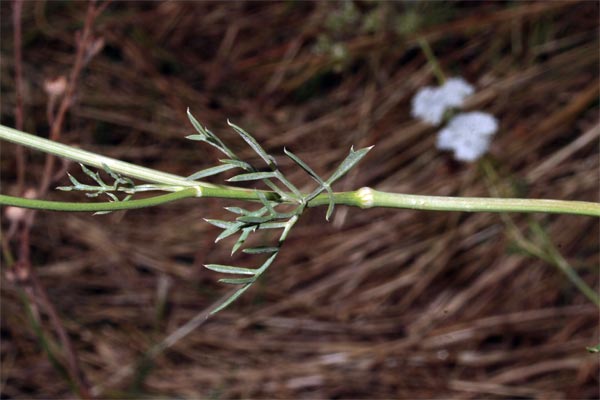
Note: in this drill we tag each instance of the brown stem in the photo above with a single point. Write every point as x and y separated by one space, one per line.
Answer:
20 152
23 265
83 42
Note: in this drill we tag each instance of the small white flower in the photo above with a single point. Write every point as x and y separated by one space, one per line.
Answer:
456 90
469 135
430 104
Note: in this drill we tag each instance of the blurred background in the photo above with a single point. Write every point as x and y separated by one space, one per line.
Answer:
377 303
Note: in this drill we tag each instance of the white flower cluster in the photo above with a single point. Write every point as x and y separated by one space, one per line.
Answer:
430 103
468 134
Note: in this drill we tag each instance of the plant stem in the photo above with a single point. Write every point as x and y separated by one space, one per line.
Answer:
363 198
356 199
93 159
96 206
432 60
368 198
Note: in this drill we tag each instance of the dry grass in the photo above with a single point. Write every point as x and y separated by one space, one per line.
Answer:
376 304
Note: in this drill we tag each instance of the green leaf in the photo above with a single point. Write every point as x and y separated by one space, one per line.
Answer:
237 210
266 264
252 176
350 161
229 231
237 281
272 225
594 349
323 185
74 181
287 227
280 192
101 212
231 299
254 144
211 171
304 166
242 239
94 175
201 138
110 172
268 204
242 211
112 196
261 250
250 219
207 136
330 207
228 269
238 163
203 132
220 223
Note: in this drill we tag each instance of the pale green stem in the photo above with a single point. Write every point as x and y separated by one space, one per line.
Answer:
364 198
432 60
93 159
368 198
